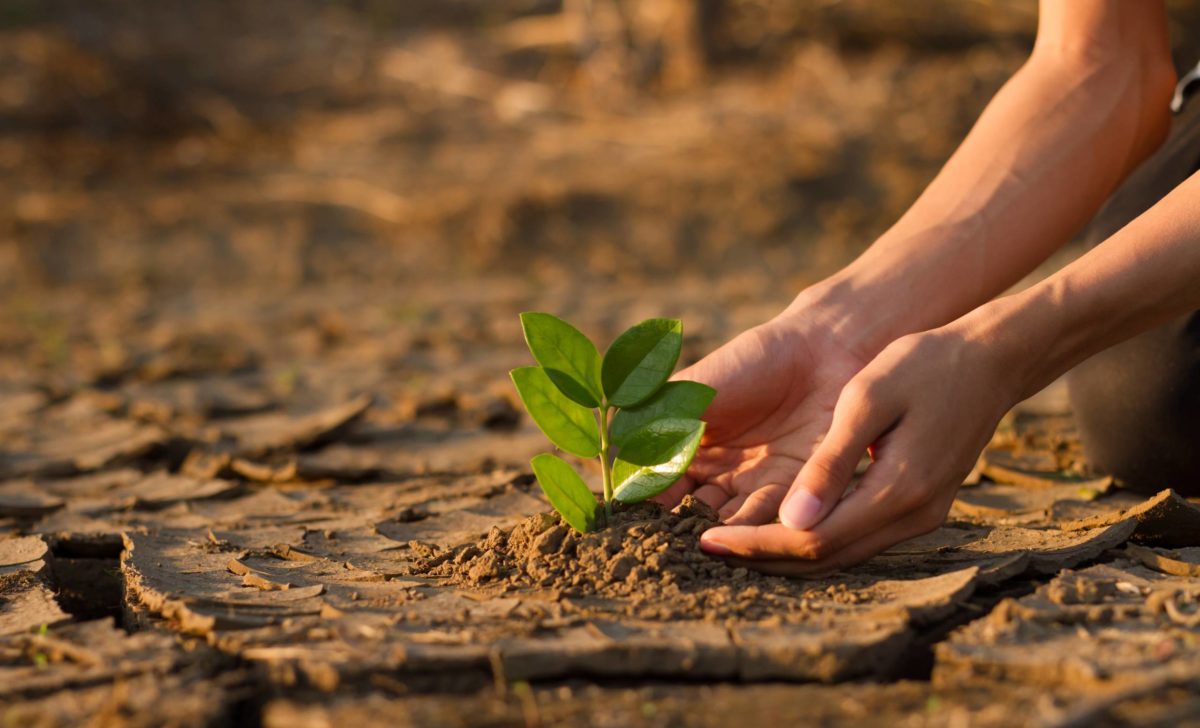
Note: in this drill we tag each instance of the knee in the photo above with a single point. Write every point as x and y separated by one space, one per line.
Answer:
1137 408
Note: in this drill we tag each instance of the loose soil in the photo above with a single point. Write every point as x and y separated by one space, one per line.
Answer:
646 556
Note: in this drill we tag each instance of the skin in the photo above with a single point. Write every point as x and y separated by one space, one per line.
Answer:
906 352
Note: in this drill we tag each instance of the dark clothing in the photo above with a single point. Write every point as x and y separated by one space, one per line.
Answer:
1137 405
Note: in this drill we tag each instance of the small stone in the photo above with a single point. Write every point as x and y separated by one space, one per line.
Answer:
544 521
620 567
495 538
682 572
684 526
466 554
549 541
485 567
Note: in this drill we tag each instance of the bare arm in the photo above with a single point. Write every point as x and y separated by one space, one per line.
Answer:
931 400
886 353
1145 274
1090 103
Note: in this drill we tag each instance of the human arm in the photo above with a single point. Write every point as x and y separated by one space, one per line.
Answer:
930 400
1087 106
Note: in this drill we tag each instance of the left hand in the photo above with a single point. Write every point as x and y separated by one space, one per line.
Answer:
927 405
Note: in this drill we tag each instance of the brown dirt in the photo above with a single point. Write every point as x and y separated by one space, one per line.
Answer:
647 556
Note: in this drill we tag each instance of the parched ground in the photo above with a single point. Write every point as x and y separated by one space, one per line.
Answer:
207 535
259 459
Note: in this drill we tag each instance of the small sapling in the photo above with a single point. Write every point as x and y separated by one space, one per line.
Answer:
619 408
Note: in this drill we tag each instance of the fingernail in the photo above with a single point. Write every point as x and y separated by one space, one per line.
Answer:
800 510
710 545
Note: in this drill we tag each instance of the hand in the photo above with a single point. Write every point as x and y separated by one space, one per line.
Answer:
777 385
926 407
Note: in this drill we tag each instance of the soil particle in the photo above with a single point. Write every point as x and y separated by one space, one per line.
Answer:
1080 591
485 567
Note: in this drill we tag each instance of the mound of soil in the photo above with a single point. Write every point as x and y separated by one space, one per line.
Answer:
647 556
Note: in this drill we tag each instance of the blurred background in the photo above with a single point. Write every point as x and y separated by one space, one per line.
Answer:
361 194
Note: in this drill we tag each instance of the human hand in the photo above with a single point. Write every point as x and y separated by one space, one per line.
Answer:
777 385
925 406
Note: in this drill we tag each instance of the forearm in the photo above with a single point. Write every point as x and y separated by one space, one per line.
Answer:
1041 159
1145 274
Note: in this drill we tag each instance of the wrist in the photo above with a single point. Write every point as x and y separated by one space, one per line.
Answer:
1028 342
858 308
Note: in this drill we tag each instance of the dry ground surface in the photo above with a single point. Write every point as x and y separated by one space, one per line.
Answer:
260 463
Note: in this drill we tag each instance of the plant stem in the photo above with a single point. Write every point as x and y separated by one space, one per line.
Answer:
605 466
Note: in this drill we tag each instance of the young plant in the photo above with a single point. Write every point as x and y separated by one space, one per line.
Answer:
619 408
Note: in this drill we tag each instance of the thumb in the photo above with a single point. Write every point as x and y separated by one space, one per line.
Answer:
858 420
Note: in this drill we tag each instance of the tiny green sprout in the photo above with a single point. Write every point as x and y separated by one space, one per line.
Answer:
40 659
618 408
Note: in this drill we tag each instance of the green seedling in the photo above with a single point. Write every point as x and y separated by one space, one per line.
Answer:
40 659
618 408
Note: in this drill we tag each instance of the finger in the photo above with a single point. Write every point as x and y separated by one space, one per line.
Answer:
731 506
911 526
760 506
885 496
769 542
670 497
759 483
711 465
861 417
711 462
713 496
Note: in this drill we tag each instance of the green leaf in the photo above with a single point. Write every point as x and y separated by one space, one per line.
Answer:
570 426
638 482
569 358
566 491
656 442
640 360
676 399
